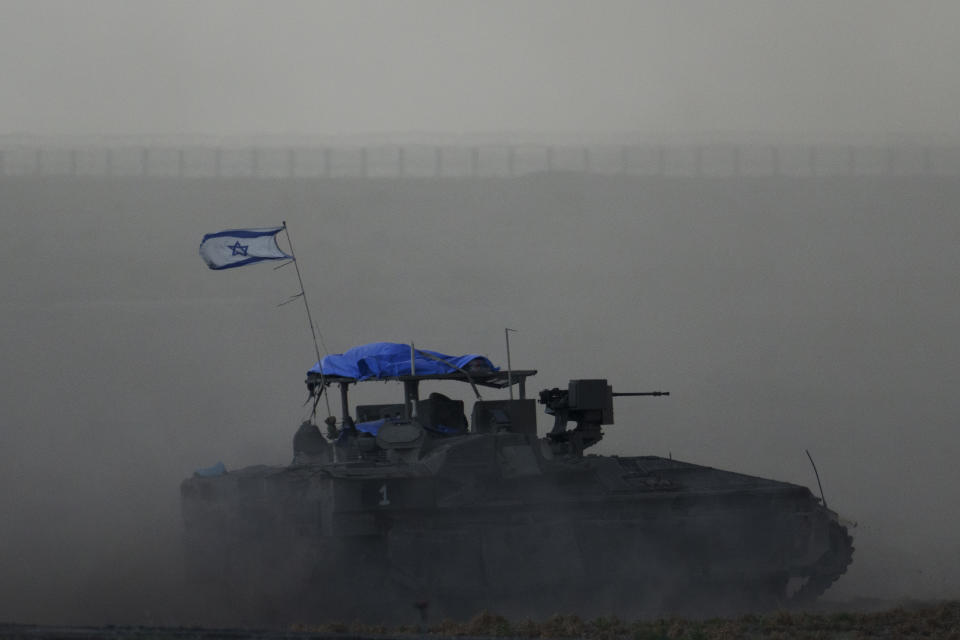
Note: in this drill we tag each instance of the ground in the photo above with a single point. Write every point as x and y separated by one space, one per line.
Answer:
909 620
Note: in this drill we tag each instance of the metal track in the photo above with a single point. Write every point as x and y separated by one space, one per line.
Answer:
828 568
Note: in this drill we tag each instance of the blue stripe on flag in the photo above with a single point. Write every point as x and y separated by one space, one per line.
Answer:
244 233
242 263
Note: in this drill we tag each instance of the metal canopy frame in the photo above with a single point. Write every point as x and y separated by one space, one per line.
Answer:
411 383
494 379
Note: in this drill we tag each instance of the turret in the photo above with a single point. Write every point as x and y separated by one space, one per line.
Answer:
587 402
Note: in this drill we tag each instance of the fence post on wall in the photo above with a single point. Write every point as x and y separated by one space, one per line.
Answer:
732 159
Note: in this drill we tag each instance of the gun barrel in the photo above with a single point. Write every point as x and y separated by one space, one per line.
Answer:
641 393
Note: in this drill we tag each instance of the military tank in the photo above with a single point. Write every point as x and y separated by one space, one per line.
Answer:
412 503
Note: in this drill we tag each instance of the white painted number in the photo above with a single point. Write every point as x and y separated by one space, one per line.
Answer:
383 492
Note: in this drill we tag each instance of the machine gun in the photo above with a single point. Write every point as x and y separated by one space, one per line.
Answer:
590 404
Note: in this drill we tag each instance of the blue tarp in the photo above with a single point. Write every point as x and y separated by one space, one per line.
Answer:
387 359
372 427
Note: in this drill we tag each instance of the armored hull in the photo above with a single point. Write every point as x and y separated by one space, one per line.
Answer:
496 517
471 528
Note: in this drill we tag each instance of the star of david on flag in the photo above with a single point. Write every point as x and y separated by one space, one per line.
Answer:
239 247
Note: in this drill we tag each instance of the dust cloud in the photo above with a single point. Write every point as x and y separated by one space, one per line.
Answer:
783 313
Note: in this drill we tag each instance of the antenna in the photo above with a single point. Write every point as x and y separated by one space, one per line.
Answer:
823 499
506 335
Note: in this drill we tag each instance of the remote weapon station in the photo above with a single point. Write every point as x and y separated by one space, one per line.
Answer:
414 502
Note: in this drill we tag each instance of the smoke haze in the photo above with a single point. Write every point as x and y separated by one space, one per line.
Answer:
782 313
243 67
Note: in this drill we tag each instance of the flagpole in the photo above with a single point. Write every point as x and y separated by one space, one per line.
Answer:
313 331
506 335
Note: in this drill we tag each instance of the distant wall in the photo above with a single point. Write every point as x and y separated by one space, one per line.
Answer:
383 161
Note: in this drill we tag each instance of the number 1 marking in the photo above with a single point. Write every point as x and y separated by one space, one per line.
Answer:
383 492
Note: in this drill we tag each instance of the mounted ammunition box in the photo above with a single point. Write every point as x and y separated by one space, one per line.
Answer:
516 416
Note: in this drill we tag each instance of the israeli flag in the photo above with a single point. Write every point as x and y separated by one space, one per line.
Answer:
238 247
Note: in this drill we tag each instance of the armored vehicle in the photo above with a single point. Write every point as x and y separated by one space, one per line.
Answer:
411 502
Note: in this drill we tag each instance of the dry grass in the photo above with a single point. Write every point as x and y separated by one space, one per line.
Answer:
940 620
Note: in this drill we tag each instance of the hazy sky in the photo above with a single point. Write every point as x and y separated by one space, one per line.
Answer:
244 66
